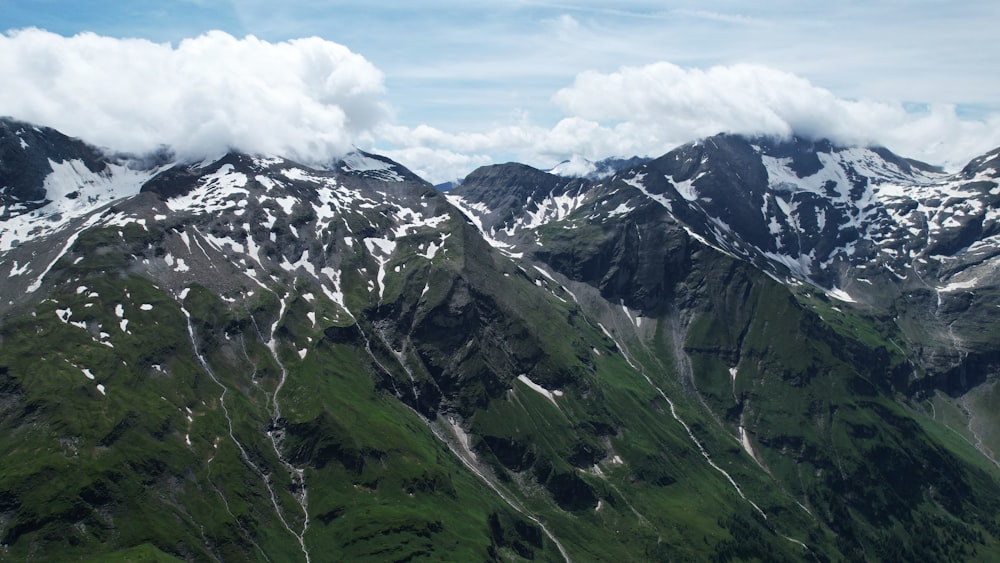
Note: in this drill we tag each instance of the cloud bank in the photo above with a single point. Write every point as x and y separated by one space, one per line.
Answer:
312 100
651 109
664 103
309 99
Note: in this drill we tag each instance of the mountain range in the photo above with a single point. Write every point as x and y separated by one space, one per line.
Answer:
745 349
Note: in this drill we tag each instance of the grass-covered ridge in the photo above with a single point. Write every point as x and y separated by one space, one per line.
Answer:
347 370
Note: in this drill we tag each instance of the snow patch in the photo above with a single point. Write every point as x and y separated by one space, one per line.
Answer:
622 209
475 212
385 249
64 314
17 271
840 295
686 189
550 395
380 169
219 191
959 285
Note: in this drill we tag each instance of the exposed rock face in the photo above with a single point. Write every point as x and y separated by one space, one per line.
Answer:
896 235
255 358
26 157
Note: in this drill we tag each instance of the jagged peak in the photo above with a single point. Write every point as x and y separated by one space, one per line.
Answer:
513 184
987 163
375 167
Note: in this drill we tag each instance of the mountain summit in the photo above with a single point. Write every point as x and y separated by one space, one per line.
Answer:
743 349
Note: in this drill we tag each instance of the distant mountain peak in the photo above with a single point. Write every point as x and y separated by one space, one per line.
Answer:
532 366
373 166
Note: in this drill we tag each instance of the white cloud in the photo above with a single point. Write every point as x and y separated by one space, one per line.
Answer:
312 99
438 165
660 105
307 98
651 109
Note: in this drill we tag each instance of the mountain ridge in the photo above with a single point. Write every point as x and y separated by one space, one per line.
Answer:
247 358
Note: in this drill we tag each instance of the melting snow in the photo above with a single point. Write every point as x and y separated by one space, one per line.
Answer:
218 191
177 264
409 220
840 295
386 247
959 285
686 189
69 243
334 294
357 162
475 211
622 209
552 208
550 395
66 178
637 182
287 203
748 445
17 271
433 247
120 313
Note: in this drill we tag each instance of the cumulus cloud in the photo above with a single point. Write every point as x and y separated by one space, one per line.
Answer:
664 104
312 100
651 109
438 165
309 99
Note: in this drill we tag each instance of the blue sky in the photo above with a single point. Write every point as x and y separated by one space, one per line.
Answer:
468 83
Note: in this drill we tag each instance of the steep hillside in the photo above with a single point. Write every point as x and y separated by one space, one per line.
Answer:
246 358
911 248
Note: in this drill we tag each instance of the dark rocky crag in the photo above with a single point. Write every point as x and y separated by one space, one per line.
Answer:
746 348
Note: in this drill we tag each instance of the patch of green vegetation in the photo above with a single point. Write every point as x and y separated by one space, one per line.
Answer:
813 388
173 457
145 553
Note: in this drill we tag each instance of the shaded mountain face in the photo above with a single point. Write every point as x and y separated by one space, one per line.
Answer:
29 155
866 226
248 358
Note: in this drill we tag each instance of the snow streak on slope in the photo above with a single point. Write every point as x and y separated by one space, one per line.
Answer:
369 166
219 191
903 212
72 191
475 212
554 207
